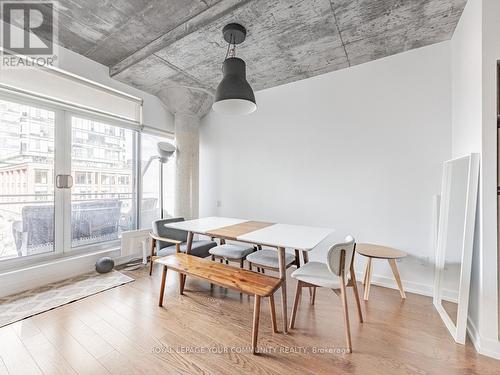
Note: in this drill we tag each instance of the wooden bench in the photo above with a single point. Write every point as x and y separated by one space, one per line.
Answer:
241 280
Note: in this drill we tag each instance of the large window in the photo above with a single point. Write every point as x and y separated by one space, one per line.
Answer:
27 224
40 216
104 196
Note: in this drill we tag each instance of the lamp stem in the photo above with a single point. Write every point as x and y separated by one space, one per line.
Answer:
161 190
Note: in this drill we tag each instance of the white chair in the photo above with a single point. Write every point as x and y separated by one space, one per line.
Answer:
333 275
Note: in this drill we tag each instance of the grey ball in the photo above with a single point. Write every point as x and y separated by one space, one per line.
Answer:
104 265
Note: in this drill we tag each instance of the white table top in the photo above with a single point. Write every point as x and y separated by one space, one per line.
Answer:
298 237
205 224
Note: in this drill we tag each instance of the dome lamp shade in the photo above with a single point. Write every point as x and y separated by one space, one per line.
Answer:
234 95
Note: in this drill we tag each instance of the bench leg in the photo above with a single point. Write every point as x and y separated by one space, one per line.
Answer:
162 287
182 280
273 313
255 329
241 266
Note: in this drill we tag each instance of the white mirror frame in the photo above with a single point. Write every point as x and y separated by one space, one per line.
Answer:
458 331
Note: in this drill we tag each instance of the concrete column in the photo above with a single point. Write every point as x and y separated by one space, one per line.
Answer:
188 106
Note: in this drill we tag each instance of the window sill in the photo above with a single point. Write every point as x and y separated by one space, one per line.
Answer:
33 276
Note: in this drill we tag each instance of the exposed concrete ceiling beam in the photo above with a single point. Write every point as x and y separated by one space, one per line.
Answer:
202 19
201 85
340 33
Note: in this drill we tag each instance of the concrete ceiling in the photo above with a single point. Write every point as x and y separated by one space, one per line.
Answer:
159 43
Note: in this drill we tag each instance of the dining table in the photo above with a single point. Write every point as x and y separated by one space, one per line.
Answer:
271 235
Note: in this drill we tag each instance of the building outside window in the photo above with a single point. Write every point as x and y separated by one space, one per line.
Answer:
41 176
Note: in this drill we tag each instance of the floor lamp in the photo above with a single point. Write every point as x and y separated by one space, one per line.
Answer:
165 151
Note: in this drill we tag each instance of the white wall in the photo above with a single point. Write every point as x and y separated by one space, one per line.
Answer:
490 264
466 58
466 52
359 150
475 51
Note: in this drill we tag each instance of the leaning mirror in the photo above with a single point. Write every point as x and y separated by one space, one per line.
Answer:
457 216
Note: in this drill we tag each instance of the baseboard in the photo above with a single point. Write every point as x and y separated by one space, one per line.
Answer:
489 348
409 286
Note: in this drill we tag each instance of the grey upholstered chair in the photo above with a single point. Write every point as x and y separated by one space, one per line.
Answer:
163 248
231 252
337 274
268 259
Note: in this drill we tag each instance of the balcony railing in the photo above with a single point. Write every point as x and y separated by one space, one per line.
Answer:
27 220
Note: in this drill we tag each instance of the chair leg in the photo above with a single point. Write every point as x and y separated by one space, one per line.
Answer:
347 328
356 294
162 287
298 294
305 255
249 266
255 328
153 244
213 260
313 297
273 313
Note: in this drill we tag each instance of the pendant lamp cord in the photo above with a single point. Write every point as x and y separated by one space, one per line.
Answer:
230 51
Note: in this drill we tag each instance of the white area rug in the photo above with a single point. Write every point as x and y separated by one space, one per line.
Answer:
35 301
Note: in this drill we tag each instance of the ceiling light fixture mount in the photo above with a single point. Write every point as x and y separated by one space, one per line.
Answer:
234 96
234 33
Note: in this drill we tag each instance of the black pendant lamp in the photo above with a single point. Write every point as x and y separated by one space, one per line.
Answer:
234 96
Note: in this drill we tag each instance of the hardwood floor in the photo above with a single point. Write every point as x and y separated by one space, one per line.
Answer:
123 331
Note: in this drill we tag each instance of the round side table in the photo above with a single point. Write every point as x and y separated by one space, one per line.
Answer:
372 251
